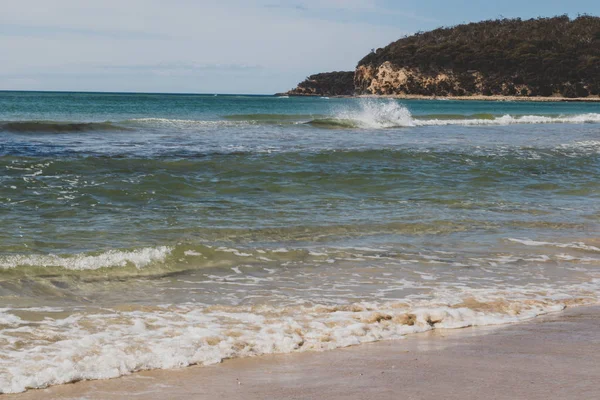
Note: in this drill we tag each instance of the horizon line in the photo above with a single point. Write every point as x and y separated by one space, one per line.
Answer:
128 92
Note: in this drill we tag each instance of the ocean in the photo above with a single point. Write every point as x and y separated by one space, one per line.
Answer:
152 231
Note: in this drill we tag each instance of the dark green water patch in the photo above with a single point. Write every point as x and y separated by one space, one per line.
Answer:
59 127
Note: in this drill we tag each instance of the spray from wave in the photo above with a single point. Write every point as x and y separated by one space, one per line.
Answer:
370 114
382 114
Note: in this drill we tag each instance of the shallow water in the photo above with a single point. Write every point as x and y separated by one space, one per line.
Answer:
158 231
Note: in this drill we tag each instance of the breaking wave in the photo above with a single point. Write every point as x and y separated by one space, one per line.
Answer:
515 120
371 114
377 114
82 262
113 343
367 114
576 245
45 346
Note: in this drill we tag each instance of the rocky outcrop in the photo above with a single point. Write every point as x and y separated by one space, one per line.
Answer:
389 79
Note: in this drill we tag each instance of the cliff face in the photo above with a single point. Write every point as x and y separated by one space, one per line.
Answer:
390 79
511 57
326 84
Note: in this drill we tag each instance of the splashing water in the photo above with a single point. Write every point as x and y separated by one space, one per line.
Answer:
389 113
378 114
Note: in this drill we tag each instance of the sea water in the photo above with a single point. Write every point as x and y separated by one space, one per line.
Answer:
145 231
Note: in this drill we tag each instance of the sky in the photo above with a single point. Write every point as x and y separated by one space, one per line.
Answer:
218 46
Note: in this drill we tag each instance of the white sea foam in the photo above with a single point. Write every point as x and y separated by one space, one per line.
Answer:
513 120
92 343
187 123
375 114
8 319
380 114
581 147
576 245
112 258
113 343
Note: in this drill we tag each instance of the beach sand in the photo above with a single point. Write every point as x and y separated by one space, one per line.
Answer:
590 99
552 357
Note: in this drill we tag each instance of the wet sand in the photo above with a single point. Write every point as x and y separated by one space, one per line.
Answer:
553 357
475 97
478 97
590 99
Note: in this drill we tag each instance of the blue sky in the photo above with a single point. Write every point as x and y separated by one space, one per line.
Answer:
217 46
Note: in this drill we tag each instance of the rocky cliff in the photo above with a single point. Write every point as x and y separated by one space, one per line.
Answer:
538 57
390 79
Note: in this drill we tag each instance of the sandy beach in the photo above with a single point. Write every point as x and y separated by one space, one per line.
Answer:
539 99
552 357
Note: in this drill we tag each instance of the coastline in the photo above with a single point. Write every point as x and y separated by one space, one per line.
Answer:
487 98
553 99
550 357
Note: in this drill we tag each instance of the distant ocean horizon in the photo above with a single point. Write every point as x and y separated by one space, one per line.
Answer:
152 231
135 92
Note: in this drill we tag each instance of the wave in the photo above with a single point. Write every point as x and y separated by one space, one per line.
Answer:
81 262
183 123
44 346
273 118
113 343
370 114
142 261
241 154
193 256
576 245
514 120
377 114
58 127
364 114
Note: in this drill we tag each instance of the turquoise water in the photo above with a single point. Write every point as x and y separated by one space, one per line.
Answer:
149 231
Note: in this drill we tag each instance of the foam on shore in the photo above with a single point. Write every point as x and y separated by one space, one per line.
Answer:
113 343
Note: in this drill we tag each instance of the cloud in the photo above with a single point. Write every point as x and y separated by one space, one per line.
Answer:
370 11
347 5
290 6
41 30
117 45
184 66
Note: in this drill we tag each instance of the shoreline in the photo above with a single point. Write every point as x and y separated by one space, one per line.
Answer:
556 99
549 357
553 99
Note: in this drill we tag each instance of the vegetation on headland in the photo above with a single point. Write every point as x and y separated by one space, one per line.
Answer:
545 57
338 83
